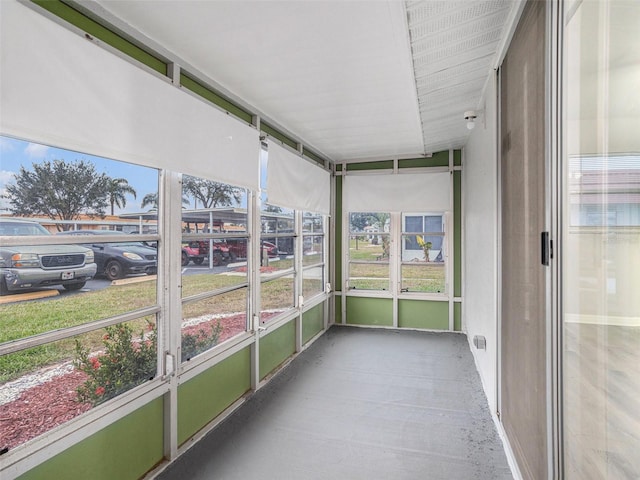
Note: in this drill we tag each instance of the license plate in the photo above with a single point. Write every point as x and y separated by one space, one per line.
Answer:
68 275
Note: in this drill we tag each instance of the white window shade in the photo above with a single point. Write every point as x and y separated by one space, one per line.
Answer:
57 88
397 193
294 182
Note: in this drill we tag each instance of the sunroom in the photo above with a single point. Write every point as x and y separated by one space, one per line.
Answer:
369 239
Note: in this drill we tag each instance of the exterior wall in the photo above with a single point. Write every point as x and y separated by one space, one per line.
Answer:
479 186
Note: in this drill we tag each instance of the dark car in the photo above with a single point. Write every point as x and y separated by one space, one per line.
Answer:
25 267
117 260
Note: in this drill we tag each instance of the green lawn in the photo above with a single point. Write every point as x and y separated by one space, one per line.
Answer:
25 319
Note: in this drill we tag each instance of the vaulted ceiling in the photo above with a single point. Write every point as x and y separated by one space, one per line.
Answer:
350 79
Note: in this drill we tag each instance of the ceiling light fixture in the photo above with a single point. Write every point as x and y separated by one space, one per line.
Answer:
470 117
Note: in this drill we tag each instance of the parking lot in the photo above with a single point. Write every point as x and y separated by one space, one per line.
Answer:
100 283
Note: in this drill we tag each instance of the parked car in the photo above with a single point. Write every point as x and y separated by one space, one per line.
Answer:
117 260
238 248
197 251
33 266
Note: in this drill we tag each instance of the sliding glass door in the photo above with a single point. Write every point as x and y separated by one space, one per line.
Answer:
601 241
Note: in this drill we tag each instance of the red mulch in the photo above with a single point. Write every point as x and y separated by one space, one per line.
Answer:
41 408
262 269
53 403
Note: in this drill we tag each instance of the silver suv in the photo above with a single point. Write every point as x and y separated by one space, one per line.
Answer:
32 266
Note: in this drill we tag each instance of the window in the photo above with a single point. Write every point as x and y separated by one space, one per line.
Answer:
423 267
91 265
277 261
312 254
214 264
369 250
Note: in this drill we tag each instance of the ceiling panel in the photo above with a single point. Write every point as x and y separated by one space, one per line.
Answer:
454 46
351 79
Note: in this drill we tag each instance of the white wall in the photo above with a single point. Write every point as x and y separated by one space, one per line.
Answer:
480 314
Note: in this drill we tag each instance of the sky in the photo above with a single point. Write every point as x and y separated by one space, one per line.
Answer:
16 153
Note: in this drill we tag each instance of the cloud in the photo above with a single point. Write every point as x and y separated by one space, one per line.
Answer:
34 150
5 176
6 145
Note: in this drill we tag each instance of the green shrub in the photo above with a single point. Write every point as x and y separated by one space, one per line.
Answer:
201 341
124 363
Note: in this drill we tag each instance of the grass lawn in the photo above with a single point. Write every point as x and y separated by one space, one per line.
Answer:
25 319
424 277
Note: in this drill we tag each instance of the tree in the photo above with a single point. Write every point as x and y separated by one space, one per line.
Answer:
209 193
118 188
59 190
151 199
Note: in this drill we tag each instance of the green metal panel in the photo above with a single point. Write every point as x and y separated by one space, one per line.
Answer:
457 240
312 322
208 94
338 238
205 396
428 314
438 159
312 156
457 158
266 128
457 316
338 312
126 449
339 167
276 347
96 30
370 311
382 165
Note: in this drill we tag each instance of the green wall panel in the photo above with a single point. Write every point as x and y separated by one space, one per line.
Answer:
93 28
370 311
423 314
205 396
338 310
457 158
199 89
279 135
382 165
312 322
439 159
312 156
338 237
126 449
457 316
457 239
276 347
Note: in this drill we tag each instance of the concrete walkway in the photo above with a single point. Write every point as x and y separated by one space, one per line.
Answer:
360 404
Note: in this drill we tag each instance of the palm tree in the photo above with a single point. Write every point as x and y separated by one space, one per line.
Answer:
152 200
117 190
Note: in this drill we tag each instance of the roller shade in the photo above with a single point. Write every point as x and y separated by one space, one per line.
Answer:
294 182
60 89
397 193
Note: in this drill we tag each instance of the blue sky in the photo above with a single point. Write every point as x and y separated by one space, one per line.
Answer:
16 153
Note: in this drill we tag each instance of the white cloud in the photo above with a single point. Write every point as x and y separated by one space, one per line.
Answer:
6 145
34 150
5 177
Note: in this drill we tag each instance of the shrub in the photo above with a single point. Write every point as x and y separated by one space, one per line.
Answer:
127 362
124 363
193 344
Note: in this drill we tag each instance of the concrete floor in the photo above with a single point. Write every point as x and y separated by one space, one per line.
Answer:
360 404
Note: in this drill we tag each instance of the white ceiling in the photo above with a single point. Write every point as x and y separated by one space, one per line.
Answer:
351 79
